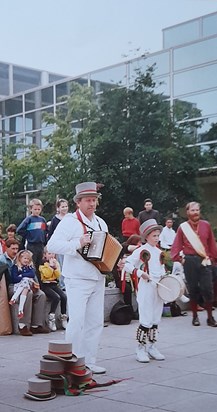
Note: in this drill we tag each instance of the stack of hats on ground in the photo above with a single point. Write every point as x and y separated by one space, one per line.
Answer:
60 372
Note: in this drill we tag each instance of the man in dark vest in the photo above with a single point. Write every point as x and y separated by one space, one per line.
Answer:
148 212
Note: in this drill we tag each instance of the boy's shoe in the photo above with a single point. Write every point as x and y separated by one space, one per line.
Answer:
96 369
155 354
212 322
64 322
184 299
195 321
52 322
141 354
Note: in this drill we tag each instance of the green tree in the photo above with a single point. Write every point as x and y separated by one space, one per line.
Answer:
56 170
128 142
138 151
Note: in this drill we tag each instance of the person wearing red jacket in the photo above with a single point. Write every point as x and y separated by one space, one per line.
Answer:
197 260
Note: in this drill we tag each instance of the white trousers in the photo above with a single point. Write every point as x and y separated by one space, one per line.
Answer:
86 316
150 305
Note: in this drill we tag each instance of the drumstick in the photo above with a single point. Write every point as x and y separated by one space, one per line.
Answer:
160 284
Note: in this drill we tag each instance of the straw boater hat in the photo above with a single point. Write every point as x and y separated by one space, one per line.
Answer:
39 390
85 189
148 226
60 350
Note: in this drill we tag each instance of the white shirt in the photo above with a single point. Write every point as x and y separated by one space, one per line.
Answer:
156 268
66 241
167 237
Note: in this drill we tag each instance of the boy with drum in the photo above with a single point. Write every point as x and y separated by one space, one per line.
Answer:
146 264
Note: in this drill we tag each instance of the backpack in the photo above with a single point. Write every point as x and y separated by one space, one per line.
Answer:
121 314
175 309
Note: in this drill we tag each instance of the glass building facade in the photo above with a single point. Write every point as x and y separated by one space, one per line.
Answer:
185 72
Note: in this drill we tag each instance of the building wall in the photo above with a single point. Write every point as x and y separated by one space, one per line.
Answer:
185 73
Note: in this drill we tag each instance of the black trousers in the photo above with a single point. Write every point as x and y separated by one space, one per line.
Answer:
37 250
56 295
199 279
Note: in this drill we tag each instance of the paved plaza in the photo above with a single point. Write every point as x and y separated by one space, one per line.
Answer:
185 381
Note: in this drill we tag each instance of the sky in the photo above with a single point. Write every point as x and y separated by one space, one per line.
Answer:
73 37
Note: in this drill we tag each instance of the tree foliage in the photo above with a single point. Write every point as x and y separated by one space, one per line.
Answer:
128 141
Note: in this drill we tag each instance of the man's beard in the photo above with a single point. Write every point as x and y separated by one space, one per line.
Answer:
194 218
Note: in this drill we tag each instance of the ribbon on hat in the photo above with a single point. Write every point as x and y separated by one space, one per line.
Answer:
72 389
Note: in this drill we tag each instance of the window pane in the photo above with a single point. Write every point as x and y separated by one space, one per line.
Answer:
34 120
55 77
109 78
194 54
204 131
197 105
4 79
182 33
161 62
33 100
64 89
210 25
195 80
13 106
25 79
47 96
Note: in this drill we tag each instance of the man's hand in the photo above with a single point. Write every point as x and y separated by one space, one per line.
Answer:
85 240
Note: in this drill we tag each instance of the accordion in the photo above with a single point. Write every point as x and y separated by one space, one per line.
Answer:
103 251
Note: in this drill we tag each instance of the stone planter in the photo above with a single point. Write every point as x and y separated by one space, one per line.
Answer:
112 296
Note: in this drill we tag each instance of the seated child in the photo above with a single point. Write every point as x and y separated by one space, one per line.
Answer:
145 263
23 276
49 275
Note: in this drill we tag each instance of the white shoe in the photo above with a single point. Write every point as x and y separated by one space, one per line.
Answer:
141 354
155 354
52 322
64 322
96 369
184 299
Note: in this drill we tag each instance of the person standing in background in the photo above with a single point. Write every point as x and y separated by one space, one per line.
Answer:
148 212
167 235
196 240
33 230
62 208
130 224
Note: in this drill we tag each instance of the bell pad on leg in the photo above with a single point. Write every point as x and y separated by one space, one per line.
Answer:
141 334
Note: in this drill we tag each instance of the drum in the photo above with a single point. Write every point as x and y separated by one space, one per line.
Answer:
170 287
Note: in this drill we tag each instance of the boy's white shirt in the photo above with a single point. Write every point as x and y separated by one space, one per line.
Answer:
156 268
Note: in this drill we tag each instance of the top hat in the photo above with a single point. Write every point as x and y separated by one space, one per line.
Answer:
85 189
149 226
39 390
60 350
77 368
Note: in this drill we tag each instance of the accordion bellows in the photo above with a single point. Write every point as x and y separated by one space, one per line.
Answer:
103 251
